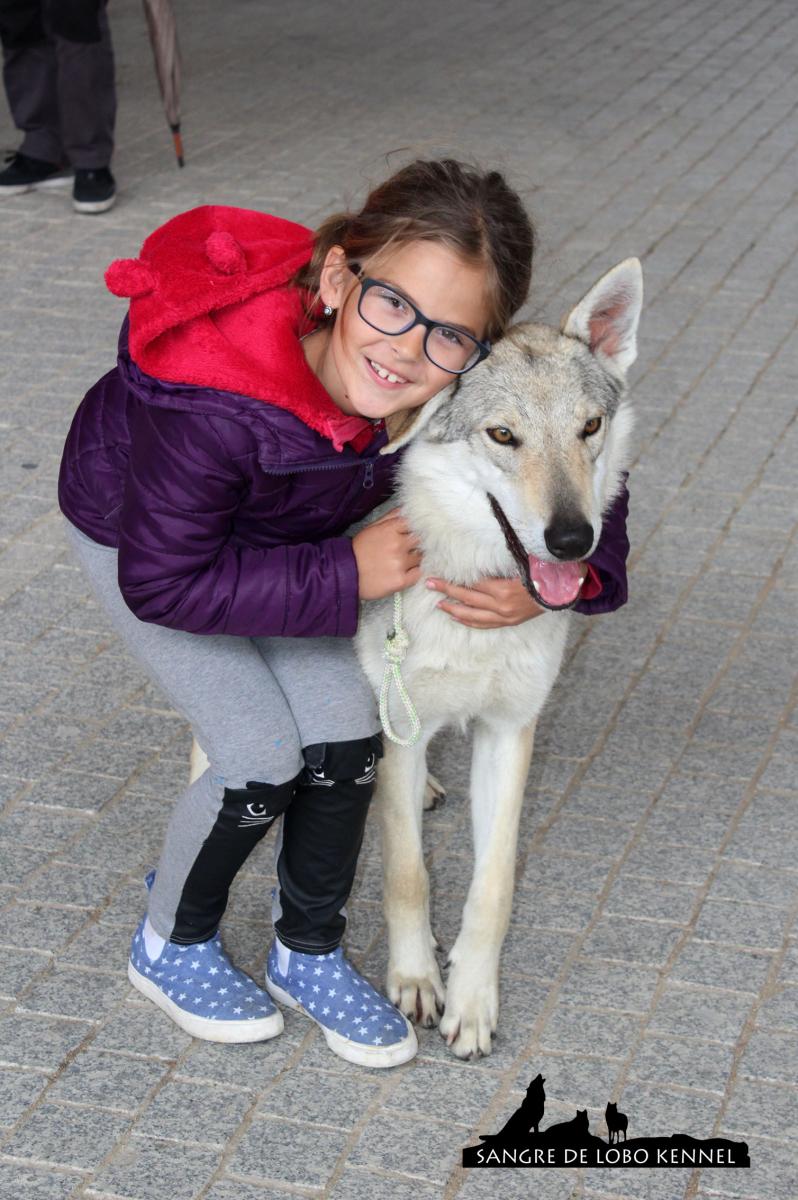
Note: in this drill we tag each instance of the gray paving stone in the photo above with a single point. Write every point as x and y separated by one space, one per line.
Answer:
148 1170
252 1066
279 1151
700 1012
19 1182
676 863
770 1056
754 925
190 1112
40 926
18 862
39 1042
610 985
739 881
553 871
683 1062
142 1029
763 1108
59 883
66 1136
719 966
453 1092
648 942
18 1090
314 1098
356 1183
657 900
577 1030
410 1146
107 1080
99 946
70 993
772 1173
781 1010
18 967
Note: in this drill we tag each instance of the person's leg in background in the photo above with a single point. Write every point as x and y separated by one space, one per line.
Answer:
31 85
58 71
86 97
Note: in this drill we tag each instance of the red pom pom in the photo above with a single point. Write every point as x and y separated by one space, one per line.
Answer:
129 277
225 253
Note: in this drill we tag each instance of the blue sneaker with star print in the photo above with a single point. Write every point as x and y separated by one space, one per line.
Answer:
358 1023
203 993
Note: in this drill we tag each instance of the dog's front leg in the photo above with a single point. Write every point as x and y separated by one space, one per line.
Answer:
499 768
413 980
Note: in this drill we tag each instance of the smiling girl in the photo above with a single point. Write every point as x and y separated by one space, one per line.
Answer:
208 481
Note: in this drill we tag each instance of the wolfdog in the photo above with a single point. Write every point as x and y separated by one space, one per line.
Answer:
507 472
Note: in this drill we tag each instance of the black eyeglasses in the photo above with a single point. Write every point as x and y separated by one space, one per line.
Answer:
388 311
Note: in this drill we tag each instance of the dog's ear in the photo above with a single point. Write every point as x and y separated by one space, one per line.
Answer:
405 424
606 318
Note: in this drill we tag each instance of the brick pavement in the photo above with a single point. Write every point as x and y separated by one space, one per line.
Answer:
651 954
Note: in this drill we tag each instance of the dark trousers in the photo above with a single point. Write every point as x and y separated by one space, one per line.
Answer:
58 72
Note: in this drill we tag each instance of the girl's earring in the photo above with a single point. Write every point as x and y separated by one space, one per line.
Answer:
328 310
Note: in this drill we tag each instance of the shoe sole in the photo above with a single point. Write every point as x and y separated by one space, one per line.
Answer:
93 206
353 1052
258 1030
19 189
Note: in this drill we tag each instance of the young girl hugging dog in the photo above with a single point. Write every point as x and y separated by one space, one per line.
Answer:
208 480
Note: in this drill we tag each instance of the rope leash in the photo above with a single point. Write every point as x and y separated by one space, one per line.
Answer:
394 652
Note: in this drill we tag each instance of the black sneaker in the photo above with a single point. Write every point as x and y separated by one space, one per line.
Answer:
94 190
26 174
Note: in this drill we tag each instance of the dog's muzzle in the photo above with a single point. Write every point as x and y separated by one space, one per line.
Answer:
521 559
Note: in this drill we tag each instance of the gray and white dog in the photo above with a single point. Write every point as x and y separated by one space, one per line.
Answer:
508 471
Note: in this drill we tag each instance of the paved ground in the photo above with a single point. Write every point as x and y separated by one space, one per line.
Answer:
650 956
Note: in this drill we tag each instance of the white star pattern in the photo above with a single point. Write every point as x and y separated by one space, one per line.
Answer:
185 986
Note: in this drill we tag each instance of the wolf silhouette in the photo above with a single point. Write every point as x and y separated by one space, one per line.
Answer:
569 1133
617 1122
526 1116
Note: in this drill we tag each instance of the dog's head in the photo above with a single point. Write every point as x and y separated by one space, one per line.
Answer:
532 442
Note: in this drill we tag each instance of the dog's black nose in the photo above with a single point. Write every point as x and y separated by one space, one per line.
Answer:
569 539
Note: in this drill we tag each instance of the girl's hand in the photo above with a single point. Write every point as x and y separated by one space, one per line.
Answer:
387 556
490 604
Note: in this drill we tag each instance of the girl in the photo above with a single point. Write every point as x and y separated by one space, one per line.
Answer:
208 480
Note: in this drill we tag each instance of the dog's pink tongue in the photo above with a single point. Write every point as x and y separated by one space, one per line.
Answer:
555 582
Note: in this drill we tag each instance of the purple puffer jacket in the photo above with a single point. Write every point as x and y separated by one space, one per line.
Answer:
229 513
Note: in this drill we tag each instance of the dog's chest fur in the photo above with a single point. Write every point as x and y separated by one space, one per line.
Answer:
454 673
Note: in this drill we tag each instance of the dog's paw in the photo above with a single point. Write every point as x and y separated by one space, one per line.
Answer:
420 995
471 1014
434 793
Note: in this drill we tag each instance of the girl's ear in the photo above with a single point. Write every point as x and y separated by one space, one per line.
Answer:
606 318
335 277
403 425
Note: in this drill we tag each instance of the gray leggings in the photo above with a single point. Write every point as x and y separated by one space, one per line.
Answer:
253 704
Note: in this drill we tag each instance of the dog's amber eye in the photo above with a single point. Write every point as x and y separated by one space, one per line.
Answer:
502 435
591 426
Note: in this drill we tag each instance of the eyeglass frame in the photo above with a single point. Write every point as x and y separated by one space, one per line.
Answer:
366 282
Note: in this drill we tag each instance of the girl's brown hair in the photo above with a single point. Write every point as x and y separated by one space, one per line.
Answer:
477 214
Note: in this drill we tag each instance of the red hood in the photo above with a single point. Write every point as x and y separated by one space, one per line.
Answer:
209 306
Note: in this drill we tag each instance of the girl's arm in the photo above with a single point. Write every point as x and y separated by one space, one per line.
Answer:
176 564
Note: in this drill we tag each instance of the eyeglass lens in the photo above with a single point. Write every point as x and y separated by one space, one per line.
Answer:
389 312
